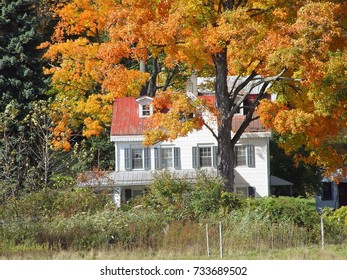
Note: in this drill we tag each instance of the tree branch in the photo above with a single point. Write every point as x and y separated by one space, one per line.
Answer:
170 77
270 79
249 117
211 130
259 11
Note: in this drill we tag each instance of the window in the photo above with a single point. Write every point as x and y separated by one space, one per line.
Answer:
146 110
244 155
241 155
132 193
327 191
204 156
245 191
137 158
242 192
167 157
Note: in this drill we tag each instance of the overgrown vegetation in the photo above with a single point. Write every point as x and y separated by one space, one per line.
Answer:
171 217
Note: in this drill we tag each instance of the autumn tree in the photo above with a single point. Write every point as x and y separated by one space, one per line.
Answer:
295 49
97 53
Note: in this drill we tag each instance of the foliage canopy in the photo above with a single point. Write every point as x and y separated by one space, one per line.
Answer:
296 49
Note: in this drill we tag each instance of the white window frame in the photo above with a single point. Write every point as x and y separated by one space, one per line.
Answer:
146 110
133 159
175 157
145 107
197 157
129 160
201 156
242 148
249 154
162 157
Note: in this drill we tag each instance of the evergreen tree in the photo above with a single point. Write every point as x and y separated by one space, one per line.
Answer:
21 84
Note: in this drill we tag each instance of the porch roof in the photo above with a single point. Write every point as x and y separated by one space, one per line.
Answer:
276 181
143 178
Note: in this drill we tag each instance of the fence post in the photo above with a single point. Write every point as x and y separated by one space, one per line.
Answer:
207 242
220 240
322 231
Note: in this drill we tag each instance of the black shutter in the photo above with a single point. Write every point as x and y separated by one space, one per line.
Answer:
127 159
177 158
251 192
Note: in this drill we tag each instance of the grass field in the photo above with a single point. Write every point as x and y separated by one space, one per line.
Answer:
331 252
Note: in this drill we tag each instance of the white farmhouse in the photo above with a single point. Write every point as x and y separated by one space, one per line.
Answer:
135 163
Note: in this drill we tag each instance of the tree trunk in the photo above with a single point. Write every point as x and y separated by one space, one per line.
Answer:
225 151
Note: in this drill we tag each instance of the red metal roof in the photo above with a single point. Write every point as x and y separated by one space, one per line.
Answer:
126 120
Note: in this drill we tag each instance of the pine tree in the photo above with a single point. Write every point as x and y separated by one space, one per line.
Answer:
21 83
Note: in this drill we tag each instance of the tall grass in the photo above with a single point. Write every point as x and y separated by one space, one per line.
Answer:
42 224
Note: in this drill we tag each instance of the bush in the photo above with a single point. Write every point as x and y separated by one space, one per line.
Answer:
290 209
208 196
168 192
48 203
183 199
335 224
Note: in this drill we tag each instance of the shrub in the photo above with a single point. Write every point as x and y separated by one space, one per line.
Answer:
168 192
208 196
48 203
291 209
183 199
335 224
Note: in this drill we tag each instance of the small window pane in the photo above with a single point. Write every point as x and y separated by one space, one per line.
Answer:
166 157
241 155
137 158
146 110
205 156
242 192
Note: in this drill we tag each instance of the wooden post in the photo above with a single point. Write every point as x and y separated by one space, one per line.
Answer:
220 240
207 242
322 231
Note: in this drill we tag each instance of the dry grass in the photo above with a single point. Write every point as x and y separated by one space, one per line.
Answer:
333 252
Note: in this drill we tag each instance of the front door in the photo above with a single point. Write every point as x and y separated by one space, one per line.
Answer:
342 194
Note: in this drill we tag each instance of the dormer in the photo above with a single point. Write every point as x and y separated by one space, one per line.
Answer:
145 107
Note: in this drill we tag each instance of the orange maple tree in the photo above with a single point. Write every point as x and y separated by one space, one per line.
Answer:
295 49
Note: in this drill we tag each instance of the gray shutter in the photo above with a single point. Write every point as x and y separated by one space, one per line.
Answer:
214 156
127 159
157 161
195 157
177 158
147 152
250 156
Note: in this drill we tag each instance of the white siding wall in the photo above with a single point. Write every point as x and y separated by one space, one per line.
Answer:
257 176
